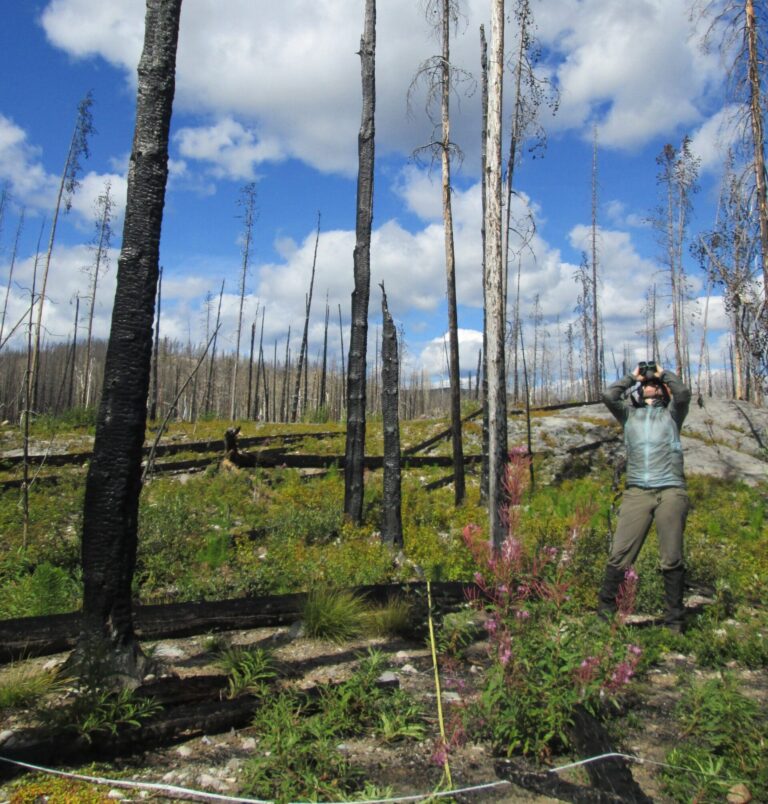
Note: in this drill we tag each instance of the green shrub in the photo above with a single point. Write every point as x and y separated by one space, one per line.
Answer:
723 742
46 590
248 670
333 614
743 640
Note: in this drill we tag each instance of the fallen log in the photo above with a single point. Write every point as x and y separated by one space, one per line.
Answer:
25 637
197 707
211 445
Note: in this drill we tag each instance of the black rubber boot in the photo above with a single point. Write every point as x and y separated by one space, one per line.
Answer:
674 618
612 580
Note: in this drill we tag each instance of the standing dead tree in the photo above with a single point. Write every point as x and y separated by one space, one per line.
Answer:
78 149
305 335
154 389
247 201
531 93
113 484
14 254
677 177
391 521
356 390
730 253
104 206
737 28
209 386
442 78
494 285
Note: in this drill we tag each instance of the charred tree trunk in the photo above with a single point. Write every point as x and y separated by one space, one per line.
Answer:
321 406
250 369
114 478
303 351
356 391
392 522
450 259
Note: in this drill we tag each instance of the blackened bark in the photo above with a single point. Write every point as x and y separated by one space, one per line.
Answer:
450 262
392 522
303 355
114 477
356 390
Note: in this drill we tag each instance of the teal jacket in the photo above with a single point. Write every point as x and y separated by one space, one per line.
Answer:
651 433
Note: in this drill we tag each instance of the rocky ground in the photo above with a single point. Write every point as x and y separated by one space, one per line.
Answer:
212 763
721 438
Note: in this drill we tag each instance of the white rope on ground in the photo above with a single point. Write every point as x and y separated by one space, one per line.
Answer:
187 792
184 792
200 795
639 760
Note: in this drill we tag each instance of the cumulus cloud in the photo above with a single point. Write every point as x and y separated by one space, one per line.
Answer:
290 78
634 70
711 141
228 148
20 166
34 188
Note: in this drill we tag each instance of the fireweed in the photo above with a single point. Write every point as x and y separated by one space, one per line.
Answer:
545 662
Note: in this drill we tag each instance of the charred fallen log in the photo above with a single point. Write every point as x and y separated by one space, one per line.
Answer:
42 636
189 708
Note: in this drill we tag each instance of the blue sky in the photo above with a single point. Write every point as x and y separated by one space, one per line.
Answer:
270 93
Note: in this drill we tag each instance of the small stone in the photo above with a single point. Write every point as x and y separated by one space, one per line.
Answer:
184 751
248 744
6 736
451 697
739 794
211 782
149 677
117 794
205 740
388 679
166 651
409 668
169 777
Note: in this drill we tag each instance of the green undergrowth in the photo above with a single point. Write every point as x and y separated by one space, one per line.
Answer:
723 742
218 534
299 755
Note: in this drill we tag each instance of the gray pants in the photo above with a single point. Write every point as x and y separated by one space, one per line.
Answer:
668 507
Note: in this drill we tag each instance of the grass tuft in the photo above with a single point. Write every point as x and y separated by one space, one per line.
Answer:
336 615
22 686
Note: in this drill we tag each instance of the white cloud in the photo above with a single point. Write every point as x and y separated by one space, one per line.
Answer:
633 69
289 76
710 142
20 165
231 149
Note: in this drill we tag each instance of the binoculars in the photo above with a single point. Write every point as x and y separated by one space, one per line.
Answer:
647 370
